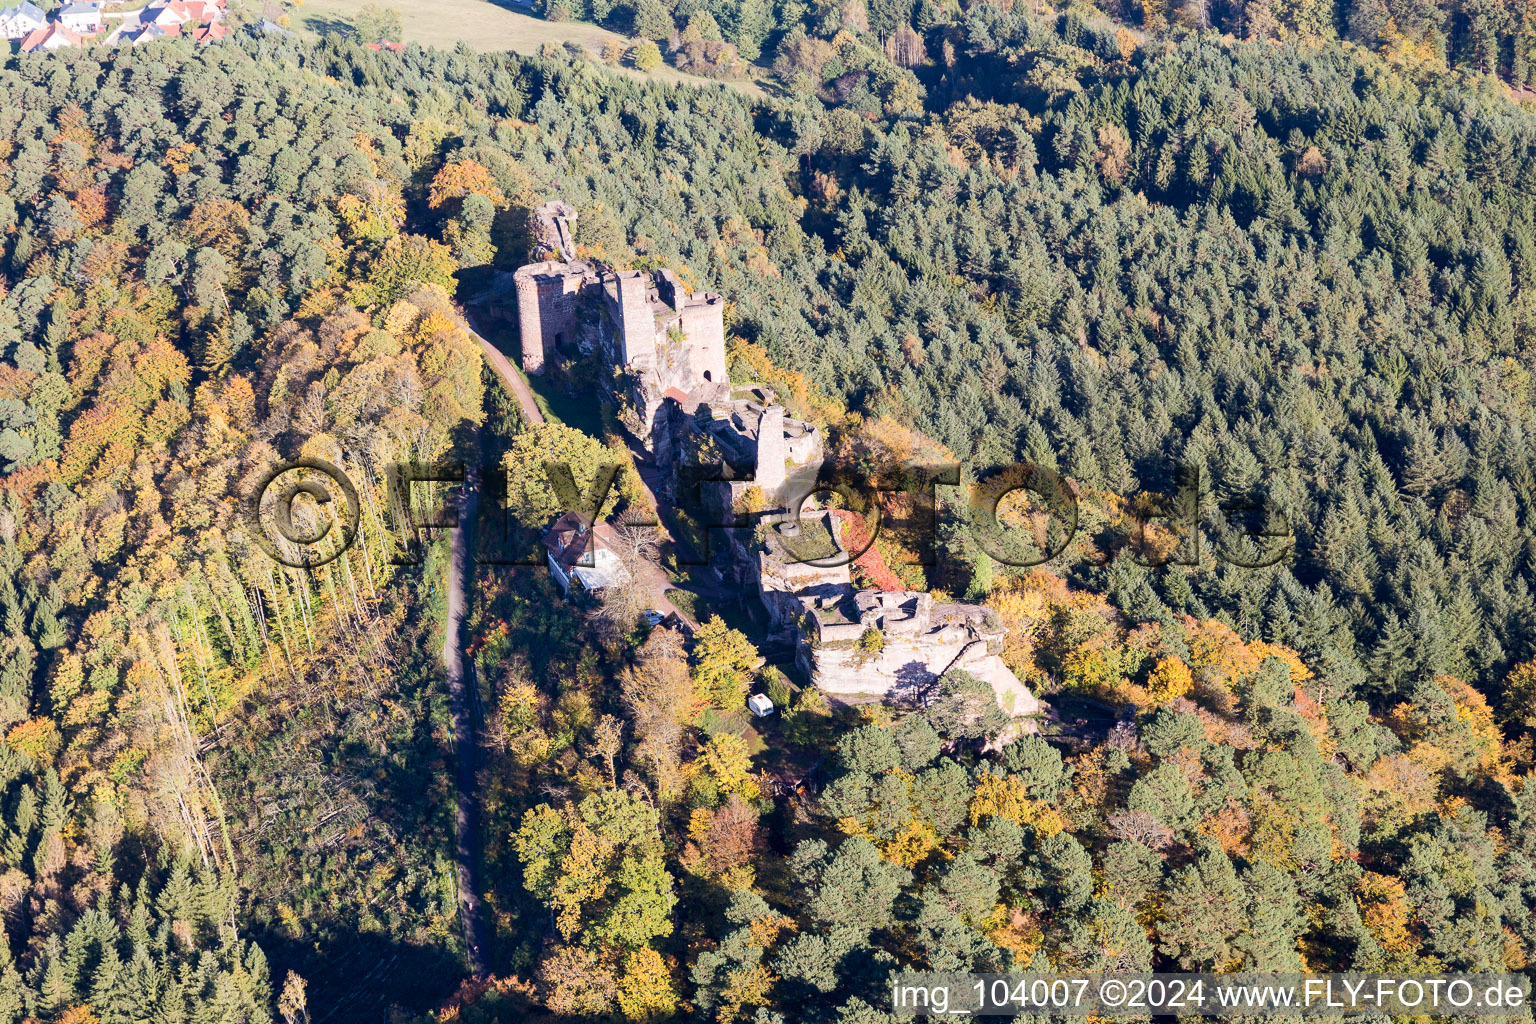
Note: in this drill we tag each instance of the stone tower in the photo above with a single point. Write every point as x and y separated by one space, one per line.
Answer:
769 473
637 321
529 323
703 320
546 309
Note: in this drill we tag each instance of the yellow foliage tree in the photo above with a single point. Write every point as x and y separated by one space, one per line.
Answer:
1170 678
1012 929
533 456
699 821
746 986
645 987
1088 668
1401 787
373 211
582 879
519 708
406 261
1299 672
38 738
726 759
465 178
1480 741
1274 833
1520 694
1384 908
724 660
908 847
1006 797
1216 650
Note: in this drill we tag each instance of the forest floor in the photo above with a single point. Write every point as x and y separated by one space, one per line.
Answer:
461 681
487 26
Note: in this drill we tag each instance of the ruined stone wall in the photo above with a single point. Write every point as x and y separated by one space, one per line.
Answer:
771 451
637 323
802 444
703 317
530 323
547 298
548 315
562 318
908 669
786 585
551 225
921 641
677 364
905 667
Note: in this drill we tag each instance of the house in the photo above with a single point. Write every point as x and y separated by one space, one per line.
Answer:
152 32
202 20
54 37
194 11
385 44
148 24
22 20
760 705
166 15
82 18
583 555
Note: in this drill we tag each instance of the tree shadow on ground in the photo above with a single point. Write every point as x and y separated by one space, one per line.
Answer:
338 27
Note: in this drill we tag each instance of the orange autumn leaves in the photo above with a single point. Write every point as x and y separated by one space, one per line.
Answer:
1057 635
129 407
465 178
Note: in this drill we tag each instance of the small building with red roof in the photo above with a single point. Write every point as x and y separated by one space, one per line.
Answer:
54 37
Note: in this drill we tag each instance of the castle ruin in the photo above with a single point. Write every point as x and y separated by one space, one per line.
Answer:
665 348
861 642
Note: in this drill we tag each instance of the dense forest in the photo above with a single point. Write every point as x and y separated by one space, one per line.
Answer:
889 49
225 783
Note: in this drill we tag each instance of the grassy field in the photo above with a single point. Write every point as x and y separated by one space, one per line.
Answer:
485 26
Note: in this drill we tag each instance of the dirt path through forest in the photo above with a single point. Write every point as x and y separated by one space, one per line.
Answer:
461 678
511 379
